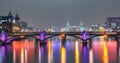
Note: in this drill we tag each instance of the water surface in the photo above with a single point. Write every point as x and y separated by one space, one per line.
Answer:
99 50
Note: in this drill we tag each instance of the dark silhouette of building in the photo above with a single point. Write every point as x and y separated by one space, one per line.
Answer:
113 23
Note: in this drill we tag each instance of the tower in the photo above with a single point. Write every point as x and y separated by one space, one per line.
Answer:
17 18
10 17
81 26
16 24
67 26
8 24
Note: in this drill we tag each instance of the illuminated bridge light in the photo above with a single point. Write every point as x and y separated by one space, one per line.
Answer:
3 35
42 35
105 35
62 35
84 35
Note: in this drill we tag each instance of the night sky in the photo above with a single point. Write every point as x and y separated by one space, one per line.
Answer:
41 13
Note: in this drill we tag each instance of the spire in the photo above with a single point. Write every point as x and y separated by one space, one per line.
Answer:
10 14
81 26
10 17
17 17
68 24
81 23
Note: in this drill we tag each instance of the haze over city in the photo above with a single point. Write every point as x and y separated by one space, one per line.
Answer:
38 13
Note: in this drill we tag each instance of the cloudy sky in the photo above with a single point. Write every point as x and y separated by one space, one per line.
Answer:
41 13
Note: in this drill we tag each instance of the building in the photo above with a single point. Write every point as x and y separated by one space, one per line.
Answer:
113 23
16 24
5 25
9 23
23 24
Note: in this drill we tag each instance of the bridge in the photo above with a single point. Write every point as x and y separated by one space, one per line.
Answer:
42 36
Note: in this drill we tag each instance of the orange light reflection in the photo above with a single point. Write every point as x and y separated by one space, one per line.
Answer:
76 52
22 55
105 53
23 51
50 52
63 55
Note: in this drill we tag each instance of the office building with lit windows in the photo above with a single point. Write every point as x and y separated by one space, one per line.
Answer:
113 23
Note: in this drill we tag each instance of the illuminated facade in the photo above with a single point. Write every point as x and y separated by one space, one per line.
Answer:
9 23
113 23
5 25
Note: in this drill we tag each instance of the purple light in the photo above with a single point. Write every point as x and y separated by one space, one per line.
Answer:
85 54
3 51
84 35
3 36
42 36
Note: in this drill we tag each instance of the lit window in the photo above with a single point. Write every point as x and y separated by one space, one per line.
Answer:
113 25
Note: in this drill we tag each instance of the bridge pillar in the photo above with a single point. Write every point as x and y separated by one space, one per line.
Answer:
84 43
84 36
3 36
42 36
63 37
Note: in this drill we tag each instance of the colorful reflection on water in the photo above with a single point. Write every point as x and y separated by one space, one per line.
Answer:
76 52
28 51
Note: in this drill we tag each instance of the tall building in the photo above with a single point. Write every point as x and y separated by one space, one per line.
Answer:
113 23
81 26
67 26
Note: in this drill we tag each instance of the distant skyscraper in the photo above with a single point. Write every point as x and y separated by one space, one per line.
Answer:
67 26
113 23
81 26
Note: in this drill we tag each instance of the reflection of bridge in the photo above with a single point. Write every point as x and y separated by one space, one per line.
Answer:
84 36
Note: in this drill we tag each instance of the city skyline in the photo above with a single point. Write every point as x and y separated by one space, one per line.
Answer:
40 13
